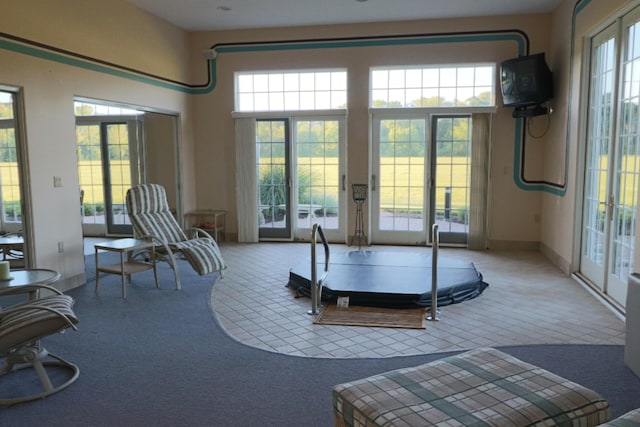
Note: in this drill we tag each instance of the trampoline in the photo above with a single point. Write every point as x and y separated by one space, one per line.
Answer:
390 279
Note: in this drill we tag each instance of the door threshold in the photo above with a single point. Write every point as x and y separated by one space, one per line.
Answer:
604 299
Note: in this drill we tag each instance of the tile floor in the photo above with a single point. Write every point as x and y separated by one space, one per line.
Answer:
529 301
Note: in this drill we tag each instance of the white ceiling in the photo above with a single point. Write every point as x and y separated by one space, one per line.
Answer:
207 15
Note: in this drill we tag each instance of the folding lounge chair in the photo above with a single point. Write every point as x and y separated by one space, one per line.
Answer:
22 326
152 220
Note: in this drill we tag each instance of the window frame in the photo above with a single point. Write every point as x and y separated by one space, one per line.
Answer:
287 103
422 69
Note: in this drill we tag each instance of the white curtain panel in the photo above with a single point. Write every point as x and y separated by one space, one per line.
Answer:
481 123
246 180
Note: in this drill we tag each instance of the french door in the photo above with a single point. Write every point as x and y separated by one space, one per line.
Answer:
398 184
612 164
320 177
301 177
120 172
274 177
109 162
421 169
450 177
10 166
14 207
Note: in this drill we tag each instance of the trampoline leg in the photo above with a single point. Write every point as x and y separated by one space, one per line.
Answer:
316 284
433 311
315 299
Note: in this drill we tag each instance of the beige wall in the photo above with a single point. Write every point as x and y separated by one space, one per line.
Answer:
121 34
514 214
110 31
561 215
160 143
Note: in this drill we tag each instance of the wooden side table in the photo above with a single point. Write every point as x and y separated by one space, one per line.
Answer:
128 267
210 220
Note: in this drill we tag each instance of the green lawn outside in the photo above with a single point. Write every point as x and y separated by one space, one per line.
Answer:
406 176
90 176
11 180
401 182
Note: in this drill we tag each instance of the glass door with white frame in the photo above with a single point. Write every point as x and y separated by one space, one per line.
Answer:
421 178
450 178
612 169
597 203
120 172
10 189
320 177
272 149
109 162
12 203
398 191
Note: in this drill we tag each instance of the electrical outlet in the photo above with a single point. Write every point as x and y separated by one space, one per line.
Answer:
57 181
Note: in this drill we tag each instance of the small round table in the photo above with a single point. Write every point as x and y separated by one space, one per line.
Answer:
27 281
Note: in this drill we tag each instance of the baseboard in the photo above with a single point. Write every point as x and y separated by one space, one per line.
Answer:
513 245
611 305
229 237
556 259
71 282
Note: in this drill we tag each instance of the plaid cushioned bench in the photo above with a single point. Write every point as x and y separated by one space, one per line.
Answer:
630 419
477 388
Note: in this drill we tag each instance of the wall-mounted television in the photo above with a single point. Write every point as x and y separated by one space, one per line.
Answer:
526 81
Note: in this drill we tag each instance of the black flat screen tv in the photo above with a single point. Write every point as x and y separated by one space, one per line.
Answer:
526 81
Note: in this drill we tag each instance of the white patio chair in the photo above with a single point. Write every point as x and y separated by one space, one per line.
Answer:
152 220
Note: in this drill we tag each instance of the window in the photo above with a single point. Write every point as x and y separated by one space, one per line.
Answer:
90 173
9 173
291 90
108 140
301 171
85 108
433 86
318 172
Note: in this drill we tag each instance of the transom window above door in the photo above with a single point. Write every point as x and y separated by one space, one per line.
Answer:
291 90
466 85
90 108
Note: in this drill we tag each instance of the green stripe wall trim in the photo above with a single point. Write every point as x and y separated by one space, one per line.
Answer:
559 189
518 169
74 60
515 36
50 53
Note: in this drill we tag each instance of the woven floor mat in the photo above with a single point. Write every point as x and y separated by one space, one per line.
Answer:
410 318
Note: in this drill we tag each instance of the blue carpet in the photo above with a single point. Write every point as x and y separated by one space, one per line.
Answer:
159 358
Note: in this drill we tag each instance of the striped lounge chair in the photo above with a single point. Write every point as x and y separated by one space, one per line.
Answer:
152 220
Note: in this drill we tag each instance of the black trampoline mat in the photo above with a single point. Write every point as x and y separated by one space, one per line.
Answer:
391 278
391 259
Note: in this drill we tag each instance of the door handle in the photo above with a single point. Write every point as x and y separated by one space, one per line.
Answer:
344 182
373 183
609 206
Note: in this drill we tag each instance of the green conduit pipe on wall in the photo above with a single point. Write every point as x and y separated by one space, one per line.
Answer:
51 53
61 56
518 155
